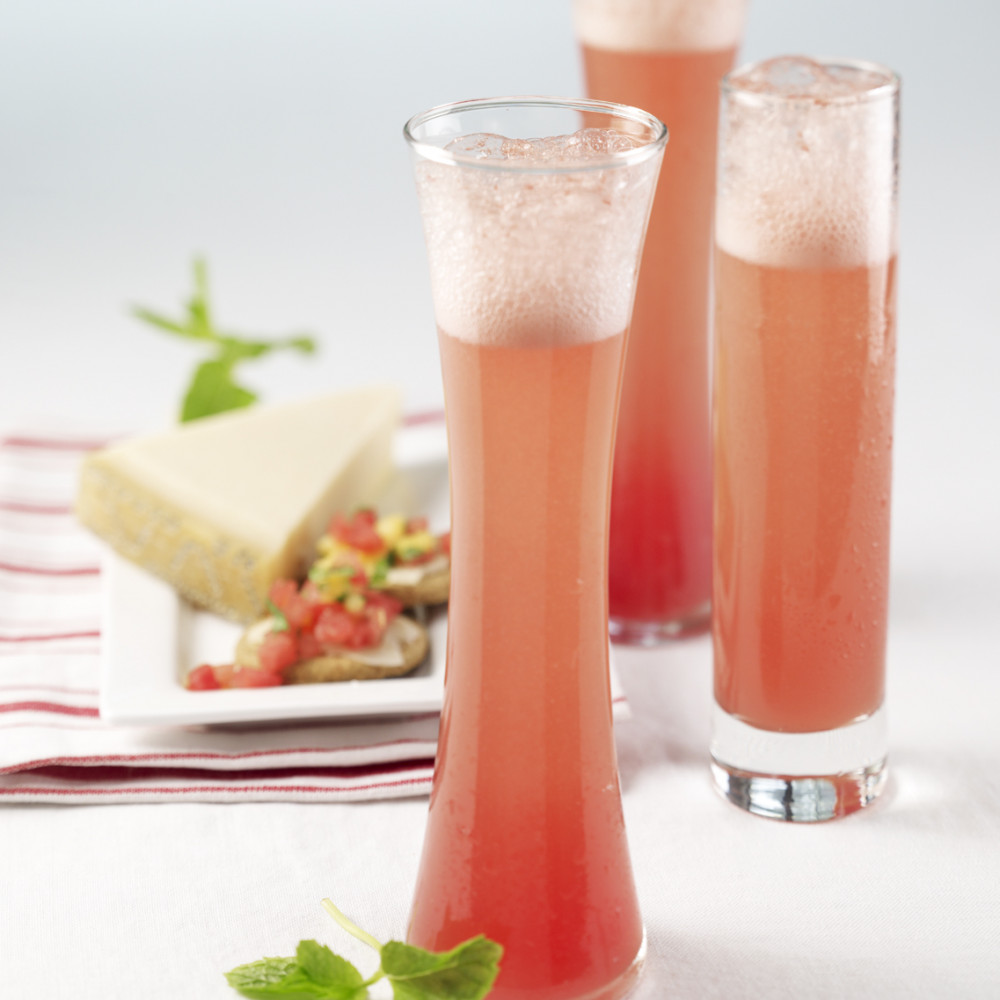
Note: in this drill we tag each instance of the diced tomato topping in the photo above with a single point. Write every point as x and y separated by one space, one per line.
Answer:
376 599
366 633
202 679
277 652
247 677
309 646
364 627
224 674
297 608
416 524
227 675
301 613
312 594
335 626
358 531
445 542
282 592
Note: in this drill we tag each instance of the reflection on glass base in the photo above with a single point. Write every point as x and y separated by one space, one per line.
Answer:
632 632
626 983
799 777
620 988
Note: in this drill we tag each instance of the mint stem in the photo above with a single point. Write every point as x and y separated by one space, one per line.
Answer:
350 926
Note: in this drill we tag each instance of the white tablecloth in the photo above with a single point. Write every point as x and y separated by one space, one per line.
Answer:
902 900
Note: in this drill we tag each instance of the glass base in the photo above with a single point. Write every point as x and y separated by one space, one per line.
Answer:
633 632
619 989
799 777
626 983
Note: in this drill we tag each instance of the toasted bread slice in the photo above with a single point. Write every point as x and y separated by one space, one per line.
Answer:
432 588
403 649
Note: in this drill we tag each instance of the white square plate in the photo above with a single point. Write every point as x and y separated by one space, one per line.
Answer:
152 637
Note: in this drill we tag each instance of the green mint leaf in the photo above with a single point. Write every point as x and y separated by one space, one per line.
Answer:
280 621
263 972
464 973
198 322
235 349
155 319
199 309
314 973
331 971
270 977
305 344
213 390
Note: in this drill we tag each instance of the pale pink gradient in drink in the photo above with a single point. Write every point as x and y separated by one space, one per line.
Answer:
803 407
667 56
533 250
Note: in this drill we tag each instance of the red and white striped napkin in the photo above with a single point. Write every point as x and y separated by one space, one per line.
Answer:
54 746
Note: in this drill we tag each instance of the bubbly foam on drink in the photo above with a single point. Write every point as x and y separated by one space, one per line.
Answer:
659 25
524 248
587 145
802 78
807 170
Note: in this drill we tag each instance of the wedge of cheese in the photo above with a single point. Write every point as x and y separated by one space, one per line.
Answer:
222 507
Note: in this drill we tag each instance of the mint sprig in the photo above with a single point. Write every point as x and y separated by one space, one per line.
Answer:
315 971
213 387
464 973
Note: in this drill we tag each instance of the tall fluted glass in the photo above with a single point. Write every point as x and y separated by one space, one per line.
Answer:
667 56
534 213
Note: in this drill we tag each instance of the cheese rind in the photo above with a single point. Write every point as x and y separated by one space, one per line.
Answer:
223 506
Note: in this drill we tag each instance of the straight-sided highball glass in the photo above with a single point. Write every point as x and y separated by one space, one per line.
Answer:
534 213
805 349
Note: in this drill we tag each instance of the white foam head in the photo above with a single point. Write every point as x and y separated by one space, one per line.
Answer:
659 25
536 241
807 163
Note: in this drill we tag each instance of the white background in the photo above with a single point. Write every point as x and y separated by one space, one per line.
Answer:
266 135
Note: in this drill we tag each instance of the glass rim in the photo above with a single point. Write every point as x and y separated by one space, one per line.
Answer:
625 157
731 88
